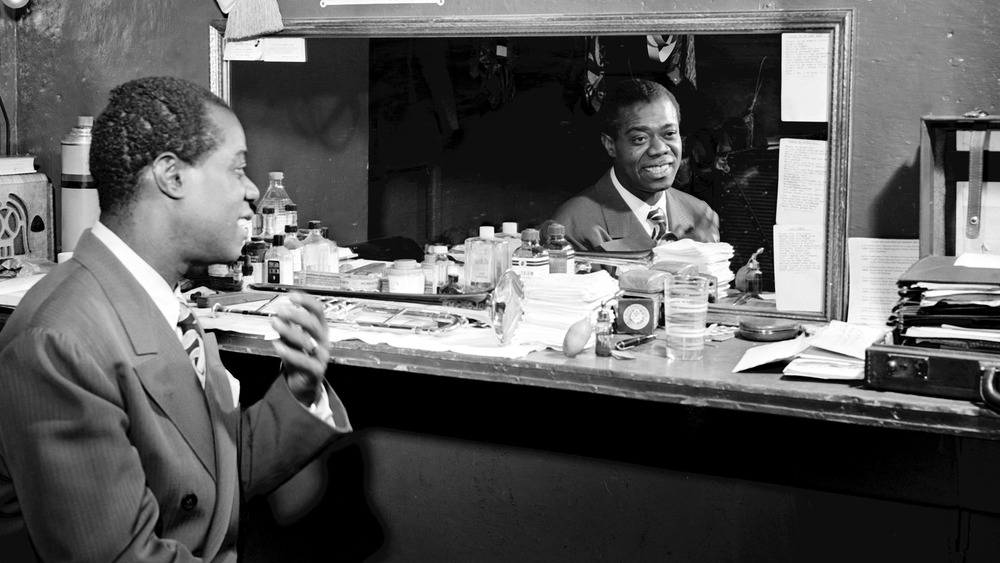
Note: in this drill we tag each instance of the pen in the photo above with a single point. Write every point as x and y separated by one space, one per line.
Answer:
633 342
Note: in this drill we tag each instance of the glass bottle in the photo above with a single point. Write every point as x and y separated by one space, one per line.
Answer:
602 333
333 263
530 259
486 258
294 245
268 228
291 214
278 262
315 250
509 234
276 198
562 257
441 264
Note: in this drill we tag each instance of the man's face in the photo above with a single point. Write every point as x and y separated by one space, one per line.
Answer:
221 194
647 147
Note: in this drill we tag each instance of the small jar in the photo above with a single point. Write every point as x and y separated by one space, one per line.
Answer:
405 276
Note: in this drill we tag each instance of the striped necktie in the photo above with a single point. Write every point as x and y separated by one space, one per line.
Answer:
187 332
659 221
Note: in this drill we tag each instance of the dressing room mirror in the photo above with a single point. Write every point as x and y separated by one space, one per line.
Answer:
429 127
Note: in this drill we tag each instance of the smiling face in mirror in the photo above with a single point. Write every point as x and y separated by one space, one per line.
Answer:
458 127
644 141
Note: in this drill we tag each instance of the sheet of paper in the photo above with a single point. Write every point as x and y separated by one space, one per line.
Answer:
874 267
770 353
804 367
805 76
989 225
285 49
799 280
977 260
849 339
802 182
249 50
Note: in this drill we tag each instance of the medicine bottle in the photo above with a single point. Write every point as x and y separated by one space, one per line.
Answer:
315 250
268 226
486 258
530 259
562 257
276 197
278 260
294 245
602 333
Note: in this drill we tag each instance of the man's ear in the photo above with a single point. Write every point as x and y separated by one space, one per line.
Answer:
166 173
609 144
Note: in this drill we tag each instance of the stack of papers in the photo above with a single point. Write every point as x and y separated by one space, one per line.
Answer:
553 303
836 352
712 258
949 305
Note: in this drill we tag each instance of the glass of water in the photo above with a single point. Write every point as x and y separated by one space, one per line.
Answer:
685 305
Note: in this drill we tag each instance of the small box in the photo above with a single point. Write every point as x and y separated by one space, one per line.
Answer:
640 308
959 185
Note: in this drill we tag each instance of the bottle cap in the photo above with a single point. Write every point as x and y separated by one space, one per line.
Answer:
291 228
279 240
267 210
486 231
509 228
405 264
529 234
276 175
555 229
314 224
291 207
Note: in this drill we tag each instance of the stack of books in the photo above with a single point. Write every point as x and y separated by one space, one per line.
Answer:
949 303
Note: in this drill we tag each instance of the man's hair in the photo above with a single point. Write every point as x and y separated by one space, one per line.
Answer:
631 91
145 118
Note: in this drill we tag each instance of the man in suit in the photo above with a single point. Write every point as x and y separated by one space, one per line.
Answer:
632 206
121 433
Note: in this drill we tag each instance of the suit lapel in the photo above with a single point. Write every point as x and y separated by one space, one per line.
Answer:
162 365
623 227
679 218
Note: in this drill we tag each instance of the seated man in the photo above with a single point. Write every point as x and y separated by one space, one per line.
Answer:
632 207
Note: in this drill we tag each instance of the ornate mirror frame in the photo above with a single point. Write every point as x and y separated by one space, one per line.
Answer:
838 23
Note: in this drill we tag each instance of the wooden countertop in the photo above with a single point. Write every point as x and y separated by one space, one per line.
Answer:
651 377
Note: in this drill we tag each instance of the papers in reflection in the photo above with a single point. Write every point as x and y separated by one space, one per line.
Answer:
13 289
553 303
805 76
712 258
836 352
875 268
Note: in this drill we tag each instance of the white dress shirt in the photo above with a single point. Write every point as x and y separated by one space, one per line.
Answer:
641 208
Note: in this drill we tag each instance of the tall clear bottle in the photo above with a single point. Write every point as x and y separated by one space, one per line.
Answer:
530 259
276 197
333 263
315 250
278 260
268 228
486 258
562 257
509 234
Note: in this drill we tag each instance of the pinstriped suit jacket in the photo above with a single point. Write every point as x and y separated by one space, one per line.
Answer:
598 219
109 448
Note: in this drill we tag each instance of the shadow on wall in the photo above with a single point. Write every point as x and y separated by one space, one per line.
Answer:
895 212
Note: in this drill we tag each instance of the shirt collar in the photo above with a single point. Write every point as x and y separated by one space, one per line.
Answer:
639 208
165 298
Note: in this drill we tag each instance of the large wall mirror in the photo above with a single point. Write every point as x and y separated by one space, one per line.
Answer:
430 127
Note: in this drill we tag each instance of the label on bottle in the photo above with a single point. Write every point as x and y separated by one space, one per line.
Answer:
565 264
527 266
279 271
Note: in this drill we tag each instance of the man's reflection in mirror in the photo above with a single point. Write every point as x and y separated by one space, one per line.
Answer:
633 205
